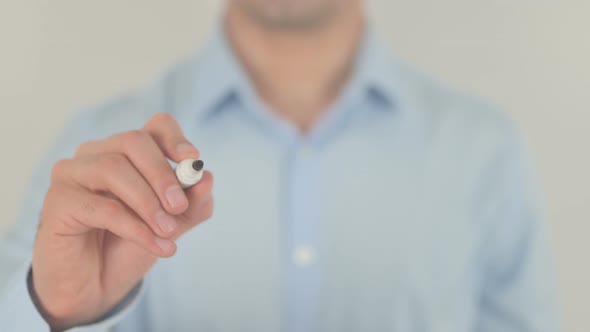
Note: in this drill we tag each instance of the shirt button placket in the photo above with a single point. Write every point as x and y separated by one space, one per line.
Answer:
303 237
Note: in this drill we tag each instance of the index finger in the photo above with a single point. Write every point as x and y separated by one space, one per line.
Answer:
146 156
169 136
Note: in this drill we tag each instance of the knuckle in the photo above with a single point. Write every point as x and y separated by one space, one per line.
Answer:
85 147
52 192
161 118
110 208
113 163
137 230
56 193
149 203
60 168
163 179
51 204
134 138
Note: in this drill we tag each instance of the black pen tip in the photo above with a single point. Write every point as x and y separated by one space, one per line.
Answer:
198 165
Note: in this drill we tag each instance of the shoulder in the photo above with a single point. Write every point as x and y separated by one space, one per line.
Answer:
169 93
455 118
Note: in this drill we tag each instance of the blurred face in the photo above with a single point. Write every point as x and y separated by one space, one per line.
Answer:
290 14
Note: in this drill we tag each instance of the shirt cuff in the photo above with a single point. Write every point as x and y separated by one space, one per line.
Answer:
18 311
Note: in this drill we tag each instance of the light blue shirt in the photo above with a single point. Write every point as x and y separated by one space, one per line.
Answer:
408 207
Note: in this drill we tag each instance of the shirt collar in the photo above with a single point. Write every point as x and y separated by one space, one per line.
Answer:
219 77
375 70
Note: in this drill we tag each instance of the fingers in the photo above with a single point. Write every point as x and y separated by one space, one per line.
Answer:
133 167
97 211
114 173
91 211
201 192
164 129
147 157
201 203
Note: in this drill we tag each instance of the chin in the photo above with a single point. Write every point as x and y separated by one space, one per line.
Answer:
290 13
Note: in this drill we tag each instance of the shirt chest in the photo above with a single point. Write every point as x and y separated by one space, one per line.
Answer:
387 240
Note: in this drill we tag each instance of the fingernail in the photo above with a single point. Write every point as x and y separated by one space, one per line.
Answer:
165 244
185 147
166 223
176 197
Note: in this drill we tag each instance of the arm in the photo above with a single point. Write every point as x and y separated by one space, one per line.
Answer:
518 287
114 194
19 309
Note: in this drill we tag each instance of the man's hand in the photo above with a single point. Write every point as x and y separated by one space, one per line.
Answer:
109 214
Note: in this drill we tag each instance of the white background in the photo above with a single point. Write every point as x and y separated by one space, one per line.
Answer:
531 57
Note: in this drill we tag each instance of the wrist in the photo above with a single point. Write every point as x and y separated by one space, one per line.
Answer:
62 314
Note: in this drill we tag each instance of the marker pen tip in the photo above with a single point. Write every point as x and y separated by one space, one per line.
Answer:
198 165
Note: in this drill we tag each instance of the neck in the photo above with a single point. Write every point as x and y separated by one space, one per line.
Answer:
297 74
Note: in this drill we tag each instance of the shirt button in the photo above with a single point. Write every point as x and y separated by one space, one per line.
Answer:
304 256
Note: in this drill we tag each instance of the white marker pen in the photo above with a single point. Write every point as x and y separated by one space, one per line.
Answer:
189 172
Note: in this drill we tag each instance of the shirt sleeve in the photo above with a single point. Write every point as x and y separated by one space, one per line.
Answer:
17 308
19 311
518 284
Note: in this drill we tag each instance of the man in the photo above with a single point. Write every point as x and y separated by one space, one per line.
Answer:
352 194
